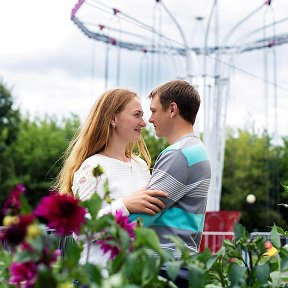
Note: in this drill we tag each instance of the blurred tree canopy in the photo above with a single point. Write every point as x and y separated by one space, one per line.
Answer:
9 118
34 158
31 153
254 166
155 145
9 127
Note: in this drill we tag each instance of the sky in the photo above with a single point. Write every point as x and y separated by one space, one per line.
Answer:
53 68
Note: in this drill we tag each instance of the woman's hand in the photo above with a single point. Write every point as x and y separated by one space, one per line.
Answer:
145 201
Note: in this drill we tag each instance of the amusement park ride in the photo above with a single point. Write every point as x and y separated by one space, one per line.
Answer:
208 66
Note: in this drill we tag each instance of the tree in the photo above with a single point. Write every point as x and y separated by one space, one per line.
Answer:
250 167
9 127
9 118
35 157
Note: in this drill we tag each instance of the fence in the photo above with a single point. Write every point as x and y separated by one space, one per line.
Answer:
214 240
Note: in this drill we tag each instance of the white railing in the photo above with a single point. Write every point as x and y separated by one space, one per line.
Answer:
214 239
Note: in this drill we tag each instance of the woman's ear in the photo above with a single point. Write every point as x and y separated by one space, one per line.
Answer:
113 122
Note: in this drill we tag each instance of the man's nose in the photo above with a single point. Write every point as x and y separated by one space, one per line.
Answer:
151 120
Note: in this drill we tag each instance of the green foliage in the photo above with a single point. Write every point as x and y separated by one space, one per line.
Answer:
155 145
136 263
9 118
242 262
253 166
33 158
9 127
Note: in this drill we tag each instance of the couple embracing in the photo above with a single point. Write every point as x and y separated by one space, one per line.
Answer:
172 199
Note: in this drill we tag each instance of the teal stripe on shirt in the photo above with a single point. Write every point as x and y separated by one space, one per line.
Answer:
147 219
175 218
195 154
174 146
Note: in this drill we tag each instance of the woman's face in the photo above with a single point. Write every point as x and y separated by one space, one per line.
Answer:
130 121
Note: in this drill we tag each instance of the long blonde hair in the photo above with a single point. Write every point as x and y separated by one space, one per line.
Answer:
94 136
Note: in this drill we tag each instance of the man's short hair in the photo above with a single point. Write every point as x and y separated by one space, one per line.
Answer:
183 94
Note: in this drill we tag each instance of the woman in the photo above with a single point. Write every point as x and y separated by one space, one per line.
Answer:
108 139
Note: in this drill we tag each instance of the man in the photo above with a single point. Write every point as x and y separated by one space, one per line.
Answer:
182 169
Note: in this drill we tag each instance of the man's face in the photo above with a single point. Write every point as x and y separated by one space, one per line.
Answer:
159 118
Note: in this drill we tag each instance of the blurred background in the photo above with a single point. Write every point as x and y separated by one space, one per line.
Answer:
56 58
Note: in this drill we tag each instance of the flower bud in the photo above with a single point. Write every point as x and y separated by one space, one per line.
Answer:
97 171
33 231
10 220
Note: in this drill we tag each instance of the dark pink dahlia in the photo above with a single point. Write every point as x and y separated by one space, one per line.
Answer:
62 213
106 248
23 274
123 221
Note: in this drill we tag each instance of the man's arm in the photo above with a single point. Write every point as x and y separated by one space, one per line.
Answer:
169 175
178 172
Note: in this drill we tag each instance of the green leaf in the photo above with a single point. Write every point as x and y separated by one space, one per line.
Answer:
103 222
142 267
117 263
285 187
262 273
72 252
281 231
240 232
45 278
211 261
173 269
93 205
204 256
124 238
148 238
94 273
275 238
24 256
228 243
283 253
6 258
236 274
196 276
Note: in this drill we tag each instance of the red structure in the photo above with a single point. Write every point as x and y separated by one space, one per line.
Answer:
217 227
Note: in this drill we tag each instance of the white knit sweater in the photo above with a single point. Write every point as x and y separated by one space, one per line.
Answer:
124 178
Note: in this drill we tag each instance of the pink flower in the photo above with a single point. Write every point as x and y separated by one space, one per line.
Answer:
123 221
25 272
105 247
62 213
12 204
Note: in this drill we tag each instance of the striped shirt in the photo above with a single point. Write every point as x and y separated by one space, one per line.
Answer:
183 171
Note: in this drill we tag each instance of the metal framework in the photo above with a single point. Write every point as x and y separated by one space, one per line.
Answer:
215 85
